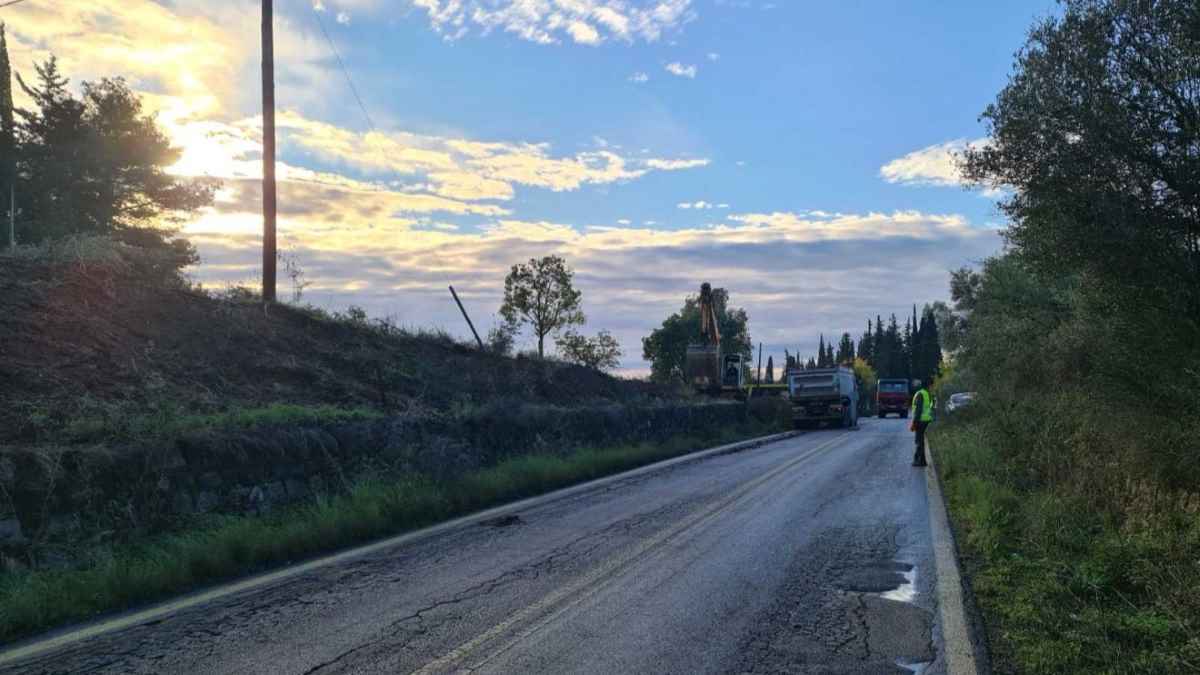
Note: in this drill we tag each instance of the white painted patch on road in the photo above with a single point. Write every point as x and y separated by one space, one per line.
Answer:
905 592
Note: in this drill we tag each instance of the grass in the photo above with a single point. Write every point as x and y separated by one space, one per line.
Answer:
1065 588
226 546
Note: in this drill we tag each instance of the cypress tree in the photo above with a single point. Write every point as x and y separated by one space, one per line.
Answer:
821 352
879 351
864 344
770 370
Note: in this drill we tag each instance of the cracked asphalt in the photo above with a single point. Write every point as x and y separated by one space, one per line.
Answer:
808 555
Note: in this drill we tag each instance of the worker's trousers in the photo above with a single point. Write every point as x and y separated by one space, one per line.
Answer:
919 455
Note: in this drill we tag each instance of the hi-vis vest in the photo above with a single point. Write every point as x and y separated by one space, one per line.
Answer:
927 411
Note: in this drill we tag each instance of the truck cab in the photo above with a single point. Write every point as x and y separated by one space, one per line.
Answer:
892 396
823 395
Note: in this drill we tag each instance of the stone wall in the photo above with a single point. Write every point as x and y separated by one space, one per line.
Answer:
75 493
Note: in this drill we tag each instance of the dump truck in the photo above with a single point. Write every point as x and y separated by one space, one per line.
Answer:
823 395
891 396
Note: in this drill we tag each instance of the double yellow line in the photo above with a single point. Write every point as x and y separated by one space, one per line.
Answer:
566 598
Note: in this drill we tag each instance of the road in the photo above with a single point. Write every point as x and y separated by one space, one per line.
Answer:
808 555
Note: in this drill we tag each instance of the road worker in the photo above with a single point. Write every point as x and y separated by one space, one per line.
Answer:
921 415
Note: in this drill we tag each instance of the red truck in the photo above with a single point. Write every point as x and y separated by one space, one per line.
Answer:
892 397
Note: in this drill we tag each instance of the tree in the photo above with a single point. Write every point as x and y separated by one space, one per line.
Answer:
845 353
868 380
98 165
666 347
821 363
542 294
866 343
770 370
602 352
8 132
1094 138
964 288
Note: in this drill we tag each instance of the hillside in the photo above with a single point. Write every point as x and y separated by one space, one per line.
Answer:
94 334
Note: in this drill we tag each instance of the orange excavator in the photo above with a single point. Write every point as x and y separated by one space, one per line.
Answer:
706 369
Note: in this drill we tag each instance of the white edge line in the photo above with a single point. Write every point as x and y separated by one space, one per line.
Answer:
956 636
39 645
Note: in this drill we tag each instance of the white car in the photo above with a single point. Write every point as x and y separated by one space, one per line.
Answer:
959 400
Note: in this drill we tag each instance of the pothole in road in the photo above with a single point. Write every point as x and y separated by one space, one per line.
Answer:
879 577
503 521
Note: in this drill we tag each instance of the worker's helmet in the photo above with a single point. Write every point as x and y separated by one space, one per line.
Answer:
916 384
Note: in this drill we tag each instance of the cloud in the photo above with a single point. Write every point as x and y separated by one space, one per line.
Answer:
632 277
454 168
932 165
676 68
343 18
639 78
676 164
700 205
714 56
588 22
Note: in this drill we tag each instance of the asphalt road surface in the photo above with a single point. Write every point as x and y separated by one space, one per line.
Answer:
808 555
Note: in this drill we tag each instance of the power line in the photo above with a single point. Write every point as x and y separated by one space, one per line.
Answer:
346 73
9 3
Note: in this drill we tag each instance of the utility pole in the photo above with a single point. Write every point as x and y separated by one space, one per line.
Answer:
268 131
464 313
12 214
758 376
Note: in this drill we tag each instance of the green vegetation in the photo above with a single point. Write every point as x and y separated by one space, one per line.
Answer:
1065 587
1074 477
223 546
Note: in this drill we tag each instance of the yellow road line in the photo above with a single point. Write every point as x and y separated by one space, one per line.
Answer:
599 578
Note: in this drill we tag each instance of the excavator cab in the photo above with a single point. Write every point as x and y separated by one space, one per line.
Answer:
732 371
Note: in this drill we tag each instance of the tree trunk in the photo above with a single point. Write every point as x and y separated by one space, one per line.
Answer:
541 342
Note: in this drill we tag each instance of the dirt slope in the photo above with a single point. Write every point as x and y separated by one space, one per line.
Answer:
94 329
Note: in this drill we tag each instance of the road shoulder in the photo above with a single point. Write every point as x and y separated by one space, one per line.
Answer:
952 610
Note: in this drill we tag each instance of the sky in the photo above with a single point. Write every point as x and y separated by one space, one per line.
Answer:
799 154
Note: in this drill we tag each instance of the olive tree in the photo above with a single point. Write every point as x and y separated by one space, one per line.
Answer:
542 294
602 352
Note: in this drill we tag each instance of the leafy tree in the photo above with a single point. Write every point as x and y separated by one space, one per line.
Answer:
602 352
8 135
949 325
542 294
97 165
964 287
1095 138
666 347
868 380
